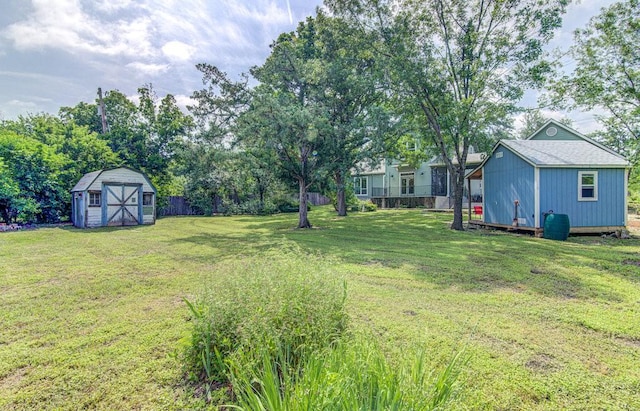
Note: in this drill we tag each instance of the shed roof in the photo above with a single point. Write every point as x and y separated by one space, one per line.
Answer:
89 178
86 181
564 153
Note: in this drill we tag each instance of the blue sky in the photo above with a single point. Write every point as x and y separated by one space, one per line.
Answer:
57 53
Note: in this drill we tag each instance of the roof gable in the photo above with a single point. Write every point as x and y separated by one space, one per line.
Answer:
565 133
88 179
573 152
564 153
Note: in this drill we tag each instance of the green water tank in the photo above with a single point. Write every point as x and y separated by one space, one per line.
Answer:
556 227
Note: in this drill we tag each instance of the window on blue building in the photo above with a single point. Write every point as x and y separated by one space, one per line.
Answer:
587 185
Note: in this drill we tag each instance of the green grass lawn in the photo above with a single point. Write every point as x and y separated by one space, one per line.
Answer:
94 318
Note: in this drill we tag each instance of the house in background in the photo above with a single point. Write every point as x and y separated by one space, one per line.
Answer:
558 170
115 197
394 183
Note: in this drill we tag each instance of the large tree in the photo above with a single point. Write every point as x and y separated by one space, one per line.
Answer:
459 66
347 83
145 135
317 110
607 75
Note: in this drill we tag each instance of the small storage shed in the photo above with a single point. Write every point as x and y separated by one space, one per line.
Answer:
115 197
558 170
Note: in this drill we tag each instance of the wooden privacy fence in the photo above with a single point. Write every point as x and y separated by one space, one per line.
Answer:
317 199
178 205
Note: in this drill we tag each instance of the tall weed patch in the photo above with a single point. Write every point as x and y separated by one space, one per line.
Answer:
354 375
252 310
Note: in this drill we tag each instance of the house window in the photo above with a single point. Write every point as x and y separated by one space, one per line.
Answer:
147 199
94 199
587 185
407 183
411 145
360 186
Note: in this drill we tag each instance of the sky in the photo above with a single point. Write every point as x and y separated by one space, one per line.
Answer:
57 53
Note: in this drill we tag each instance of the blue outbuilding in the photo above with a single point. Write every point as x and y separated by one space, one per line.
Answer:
557 170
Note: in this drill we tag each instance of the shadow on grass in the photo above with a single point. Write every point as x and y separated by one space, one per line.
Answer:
109 229
424 247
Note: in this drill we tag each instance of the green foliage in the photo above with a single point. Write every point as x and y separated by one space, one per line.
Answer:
35 169
272 307
458 68
351 201
366 206
354 375
9 193
79 150
145 136
533 120
607 75
287 205
346 83
217 179
546 325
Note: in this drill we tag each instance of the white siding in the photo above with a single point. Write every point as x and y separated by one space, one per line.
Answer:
94 216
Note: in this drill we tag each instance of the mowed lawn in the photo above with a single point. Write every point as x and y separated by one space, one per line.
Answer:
94 318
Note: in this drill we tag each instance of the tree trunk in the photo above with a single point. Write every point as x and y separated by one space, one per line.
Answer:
302 211
458 191
214 209
341 198
261 193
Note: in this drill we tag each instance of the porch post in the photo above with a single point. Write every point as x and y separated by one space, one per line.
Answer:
469 197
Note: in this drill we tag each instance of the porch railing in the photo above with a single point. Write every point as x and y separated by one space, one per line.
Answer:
415 191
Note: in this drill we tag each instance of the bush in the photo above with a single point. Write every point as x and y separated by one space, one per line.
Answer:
290 206
253 309
355 375
350 198
367 206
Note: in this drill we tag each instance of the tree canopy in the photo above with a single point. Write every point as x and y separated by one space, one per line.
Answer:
458 67
607 75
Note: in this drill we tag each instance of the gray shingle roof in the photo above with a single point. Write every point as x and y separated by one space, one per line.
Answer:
564 153
86 180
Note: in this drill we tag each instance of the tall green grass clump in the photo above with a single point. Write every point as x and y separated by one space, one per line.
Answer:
285 308
354 375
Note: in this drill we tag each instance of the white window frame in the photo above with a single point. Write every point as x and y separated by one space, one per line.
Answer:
581 185
95 195
412 176
357 186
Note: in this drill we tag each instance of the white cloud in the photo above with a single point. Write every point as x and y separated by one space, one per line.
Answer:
22 104
63 24
262 13
71 47
183 101
112 6
178 51
149 69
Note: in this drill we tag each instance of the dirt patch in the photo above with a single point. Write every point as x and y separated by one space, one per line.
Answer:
542 363
13 380
632 262
630 341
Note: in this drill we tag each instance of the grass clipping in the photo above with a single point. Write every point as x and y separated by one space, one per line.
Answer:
273 335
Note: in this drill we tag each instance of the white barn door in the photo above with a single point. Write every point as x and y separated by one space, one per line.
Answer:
122 204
